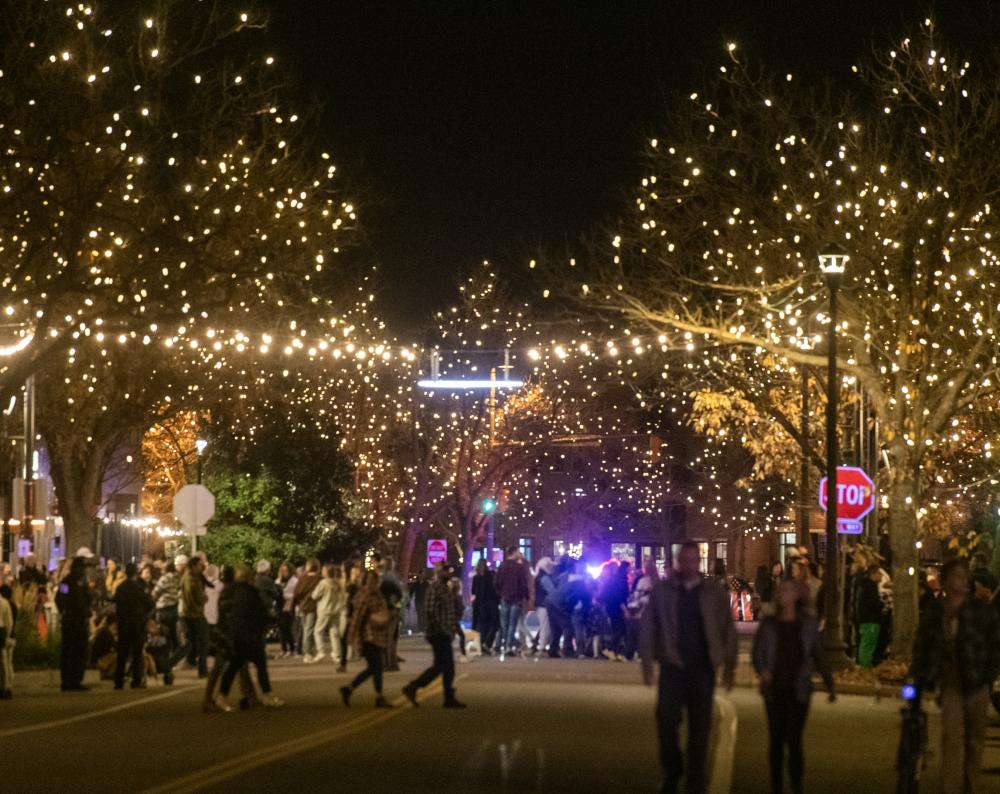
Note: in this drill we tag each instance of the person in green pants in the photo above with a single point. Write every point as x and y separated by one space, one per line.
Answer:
869 617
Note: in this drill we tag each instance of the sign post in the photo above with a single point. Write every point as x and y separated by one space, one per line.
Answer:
855 498
194 505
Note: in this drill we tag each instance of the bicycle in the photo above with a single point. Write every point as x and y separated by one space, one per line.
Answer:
911 757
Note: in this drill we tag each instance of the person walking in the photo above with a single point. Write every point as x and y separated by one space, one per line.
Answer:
786 652
306 606
392 591
442 626
193 600
485 606
249 621
133 606
73 601
368 633
688 629
513 585
331 605
957 652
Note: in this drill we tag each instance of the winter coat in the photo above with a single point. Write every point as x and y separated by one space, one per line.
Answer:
249 620
167 591
513 582
659 630
132 606
303 593
765 648
193 595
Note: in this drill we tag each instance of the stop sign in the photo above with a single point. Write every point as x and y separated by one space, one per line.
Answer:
855 497
193 506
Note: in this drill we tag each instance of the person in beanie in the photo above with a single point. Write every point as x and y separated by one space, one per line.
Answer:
132 606
442 625
688 629
957 652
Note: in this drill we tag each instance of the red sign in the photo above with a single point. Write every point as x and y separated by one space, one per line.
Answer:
437 551
855 498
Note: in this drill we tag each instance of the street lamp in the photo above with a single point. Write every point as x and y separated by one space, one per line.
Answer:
832 261
200 445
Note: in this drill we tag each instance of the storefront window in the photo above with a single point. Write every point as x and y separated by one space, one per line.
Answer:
561 547
658 553
623 552
525 546
702 555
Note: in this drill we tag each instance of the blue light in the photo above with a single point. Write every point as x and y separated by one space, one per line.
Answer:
459 384
488 505
909 692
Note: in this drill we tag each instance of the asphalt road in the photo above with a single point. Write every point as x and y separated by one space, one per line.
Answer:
574 726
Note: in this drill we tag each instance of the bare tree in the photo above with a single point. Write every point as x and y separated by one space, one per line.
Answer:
754 177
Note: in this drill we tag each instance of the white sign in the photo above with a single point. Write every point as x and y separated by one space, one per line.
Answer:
194 505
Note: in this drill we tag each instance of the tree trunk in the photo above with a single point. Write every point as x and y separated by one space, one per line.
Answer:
903 501
78 500
410 535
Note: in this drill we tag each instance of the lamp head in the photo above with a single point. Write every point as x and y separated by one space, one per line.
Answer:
200 445
489 505
833 260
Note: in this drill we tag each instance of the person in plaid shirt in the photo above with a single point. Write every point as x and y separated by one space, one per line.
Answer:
369 633
443 612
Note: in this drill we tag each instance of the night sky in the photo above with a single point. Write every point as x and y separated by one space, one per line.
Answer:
487 130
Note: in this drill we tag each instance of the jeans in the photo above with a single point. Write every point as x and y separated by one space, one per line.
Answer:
308 634
509 614
327 632
130 642
196 649
786 720
285 619
167 617
373 655
444 666
245 652
693 691
964 718
544 636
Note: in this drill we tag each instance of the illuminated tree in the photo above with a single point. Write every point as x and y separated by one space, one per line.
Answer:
755 176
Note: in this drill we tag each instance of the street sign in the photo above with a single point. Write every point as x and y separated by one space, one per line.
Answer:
194 505
855 498
437 551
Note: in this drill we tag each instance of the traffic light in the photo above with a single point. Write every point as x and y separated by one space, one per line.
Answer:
489 505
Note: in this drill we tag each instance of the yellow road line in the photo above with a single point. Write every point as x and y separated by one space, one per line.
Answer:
226 770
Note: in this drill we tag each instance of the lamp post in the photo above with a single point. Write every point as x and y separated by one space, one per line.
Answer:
200 445
832 261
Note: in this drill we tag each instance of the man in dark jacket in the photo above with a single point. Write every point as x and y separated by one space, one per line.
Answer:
442 625
571 594
249 620
132 606
513 583
73 601
688 629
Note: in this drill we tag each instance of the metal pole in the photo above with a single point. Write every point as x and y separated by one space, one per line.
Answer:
493 410
833 641
804 494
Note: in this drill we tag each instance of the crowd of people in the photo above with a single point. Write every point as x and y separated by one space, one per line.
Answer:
578 616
